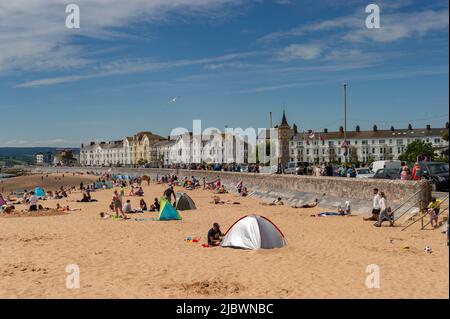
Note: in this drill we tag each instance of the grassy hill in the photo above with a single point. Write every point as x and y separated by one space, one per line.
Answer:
10 156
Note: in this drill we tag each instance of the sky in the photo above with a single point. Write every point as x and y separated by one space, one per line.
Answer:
154 65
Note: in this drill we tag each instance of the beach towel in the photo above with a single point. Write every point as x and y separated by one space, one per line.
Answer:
324 214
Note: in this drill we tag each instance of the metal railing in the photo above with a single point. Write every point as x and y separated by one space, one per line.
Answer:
425 214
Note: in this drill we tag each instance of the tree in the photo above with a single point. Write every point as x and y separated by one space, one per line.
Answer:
353 155
445 136
142 161
415 149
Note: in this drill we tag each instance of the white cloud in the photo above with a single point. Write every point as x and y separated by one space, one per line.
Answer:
33 35
299 52
403 25
394 26
133 66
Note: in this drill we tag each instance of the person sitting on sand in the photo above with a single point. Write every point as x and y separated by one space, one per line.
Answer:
221 190
276 202
346 210
33 202
385 212
143 205
155 206
215 236
139 192
127 209
313 204
85 199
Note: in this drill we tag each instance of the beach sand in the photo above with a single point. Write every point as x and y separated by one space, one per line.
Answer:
325 257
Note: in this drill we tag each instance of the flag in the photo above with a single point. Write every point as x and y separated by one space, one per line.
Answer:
345 145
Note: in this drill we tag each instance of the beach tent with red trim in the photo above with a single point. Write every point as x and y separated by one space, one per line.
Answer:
254 232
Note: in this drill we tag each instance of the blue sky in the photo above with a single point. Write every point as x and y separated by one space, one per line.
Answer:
229 62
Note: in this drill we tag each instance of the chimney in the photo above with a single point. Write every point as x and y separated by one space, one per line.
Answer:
168 138
447 125
410 127
392 128
375 128
92 143
325 130
428 127
82 145
341 129
358 129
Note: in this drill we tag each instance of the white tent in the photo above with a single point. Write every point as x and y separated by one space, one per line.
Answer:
254 232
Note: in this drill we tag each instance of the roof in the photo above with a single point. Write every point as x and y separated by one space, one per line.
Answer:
396 133
139 136
284 122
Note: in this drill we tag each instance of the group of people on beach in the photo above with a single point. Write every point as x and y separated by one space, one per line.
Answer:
381 212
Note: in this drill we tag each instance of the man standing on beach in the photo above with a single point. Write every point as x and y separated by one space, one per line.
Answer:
376 206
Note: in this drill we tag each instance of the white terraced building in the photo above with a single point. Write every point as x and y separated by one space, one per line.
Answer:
364 146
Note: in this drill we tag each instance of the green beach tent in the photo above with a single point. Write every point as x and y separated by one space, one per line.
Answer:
184 202
167 211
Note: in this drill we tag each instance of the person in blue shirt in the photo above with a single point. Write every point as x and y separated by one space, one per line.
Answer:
215 236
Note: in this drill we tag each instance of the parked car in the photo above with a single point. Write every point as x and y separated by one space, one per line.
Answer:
437 173
364 172
388 173
291 168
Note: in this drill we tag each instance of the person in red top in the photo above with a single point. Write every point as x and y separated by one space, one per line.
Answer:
416 172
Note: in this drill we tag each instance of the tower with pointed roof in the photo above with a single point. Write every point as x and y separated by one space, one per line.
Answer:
285 134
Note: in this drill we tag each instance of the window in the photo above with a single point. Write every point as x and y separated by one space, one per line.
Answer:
382 141
400 142
364 142
437 140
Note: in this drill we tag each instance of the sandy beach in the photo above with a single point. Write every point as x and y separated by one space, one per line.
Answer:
325 257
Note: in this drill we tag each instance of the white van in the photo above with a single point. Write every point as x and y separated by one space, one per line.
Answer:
392 164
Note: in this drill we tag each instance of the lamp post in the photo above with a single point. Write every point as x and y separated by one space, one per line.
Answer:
345 123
